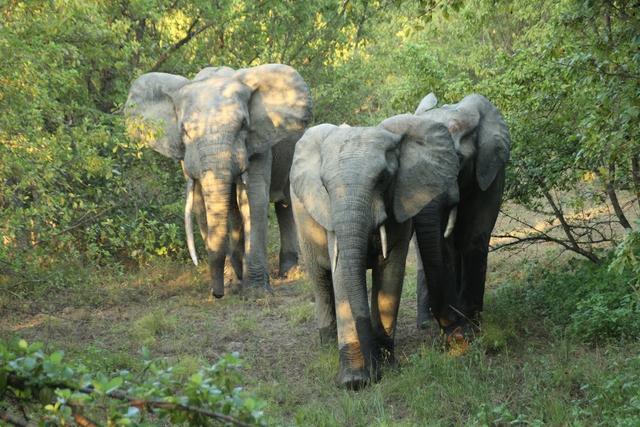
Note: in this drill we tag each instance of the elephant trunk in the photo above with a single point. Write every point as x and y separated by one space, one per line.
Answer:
217 192
429 225
358 353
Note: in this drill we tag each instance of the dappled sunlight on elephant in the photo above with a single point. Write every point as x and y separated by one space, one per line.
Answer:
354 191
235 132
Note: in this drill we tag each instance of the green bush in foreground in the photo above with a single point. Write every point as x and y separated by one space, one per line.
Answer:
46 388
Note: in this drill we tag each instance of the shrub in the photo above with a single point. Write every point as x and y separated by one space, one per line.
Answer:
59 393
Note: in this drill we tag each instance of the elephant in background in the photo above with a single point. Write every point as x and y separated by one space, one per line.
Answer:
354 191
456 267
235 133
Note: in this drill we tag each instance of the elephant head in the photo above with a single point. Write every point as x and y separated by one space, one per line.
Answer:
356 183
216 123
478 131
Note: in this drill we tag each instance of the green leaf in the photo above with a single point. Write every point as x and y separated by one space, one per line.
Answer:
112 385
56 357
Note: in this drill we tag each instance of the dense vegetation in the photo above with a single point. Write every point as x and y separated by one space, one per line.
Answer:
76 190
79 201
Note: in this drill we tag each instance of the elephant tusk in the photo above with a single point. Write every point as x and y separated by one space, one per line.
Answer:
245 178
188 222
334 259
383 241
333 254
453 214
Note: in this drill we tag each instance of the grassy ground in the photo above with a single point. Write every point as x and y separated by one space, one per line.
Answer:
522 370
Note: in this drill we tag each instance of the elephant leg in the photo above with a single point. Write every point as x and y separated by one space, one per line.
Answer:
424 316
474 273
254 207
288 242
236 241
480 212
314 254
325 305
388 276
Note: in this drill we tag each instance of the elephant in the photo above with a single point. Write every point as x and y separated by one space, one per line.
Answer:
451 279
234 133
354 191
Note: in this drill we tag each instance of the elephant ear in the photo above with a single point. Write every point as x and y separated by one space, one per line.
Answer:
428 164
494 144
492 136
427 103
306 183
279 108
150 113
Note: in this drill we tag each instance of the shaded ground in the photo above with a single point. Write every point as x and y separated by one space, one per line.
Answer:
516 367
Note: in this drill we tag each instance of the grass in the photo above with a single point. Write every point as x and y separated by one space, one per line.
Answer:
530 365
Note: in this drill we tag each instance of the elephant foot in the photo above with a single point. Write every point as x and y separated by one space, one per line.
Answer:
288 261
256 290
354 379
457 343
235 287
387 351
258 283
328 335
354 372
458 337
425 319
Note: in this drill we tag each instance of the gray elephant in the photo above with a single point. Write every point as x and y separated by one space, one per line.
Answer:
456 267
235 132
354 191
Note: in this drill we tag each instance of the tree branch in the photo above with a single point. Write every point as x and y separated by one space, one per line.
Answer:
635 174
613 197
191 33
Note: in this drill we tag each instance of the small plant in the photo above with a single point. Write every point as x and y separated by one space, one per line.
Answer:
44 387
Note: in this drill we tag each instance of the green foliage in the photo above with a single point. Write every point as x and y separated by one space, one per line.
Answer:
617 398
589 302
74 190
57 392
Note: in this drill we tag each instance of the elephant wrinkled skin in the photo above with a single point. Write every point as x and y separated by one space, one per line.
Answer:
455 268
354 191
235 131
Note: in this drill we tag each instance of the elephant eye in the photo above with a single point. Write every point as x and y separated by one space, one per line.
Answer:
245 123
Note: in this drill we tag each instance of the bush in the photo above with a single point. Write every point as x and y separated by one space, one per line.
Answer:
45 387
592 303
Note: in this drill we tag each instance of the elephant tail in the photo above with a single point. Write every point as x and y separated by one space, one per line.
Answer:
188 220
453 214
